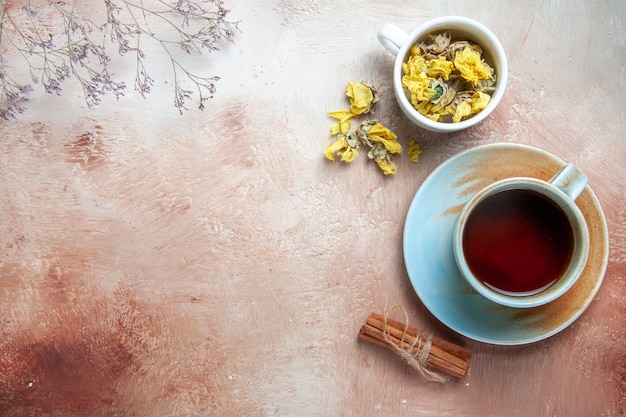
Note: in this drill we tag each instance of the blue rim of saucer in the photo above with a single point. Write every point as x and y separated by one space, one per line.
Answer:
429 259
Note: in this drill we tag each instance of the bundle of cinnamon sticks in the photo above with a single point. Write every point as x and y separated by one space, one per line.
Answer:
442 356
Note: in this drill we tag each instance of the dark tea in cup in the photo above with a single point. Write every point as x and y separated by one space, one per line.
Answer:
523 242
518 242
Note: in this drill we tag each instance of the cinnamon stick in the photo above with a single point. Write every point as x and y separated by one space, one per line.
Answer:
443 356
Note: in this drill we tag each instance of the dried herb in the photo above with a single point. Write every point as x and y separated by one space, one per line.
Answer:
383 144
381 141
80 48
414 151
448 81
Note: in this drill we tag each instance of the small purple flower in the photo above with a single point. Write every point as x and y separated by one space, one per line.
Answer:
75 51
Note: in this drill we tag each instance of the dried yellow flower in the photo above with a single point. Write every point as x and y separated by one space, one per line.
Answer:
362 97
415 66
378 133
349 155
471 66
343 148
463 109
479 101
414 151
388 167
419 89
383 144
342 126
440 67
447 81
341 115
381 140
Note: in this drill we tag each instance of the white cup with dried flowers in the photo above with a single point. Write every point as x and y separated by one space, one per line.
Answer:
449 74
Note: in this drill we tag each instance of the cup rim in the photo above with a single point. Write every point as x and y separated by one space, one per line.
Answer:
495 49
575 268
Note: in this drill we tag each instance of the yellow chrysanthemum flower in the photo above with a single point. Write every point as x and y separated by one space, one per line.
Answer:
415 66
341 115
479 101
414 151
362 98
342 148
440 67
463 109
340 128
388 167
382 142
349 154
471 66
423 107
380 134
418 88
435 85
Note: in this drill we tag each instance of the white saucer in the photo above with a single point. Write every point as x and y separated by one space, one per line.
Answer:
431 266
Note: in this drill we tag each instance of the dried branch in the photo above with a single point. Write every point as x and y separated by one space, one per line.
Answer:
79 49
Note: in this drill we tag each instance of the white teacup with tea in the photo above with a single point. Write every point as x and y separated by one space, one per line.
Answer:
523 242
475 35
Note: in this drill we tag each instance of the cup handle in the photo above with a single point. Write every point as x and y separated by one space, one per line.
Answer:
391 37
569 180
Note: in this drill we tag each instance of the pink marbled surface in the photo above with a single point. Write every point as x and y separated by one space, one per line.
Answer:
215 263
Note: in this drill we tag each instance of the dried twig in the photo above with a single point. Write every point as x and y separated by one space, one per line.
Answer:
80 48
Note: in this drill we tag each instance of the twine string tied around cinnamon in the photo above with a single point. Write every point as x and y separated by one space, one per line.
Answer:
415 353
